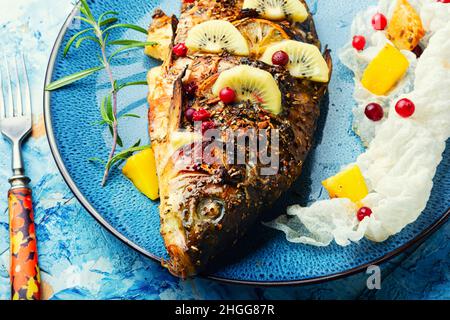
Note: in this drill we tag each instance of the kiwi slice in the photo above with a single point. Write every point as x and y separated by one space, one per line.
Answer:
215 36
293 10
253 84
305 60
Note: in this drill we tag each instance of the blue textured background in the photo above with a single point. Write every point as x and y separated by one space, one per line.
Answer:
79 259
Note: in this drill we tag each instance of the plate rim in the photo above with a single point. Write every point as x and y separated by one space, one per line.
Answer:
417 240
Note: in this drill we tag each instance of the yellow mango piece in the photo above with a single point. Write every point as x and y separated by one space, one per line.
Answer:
405 27
348 184
141 170
385 71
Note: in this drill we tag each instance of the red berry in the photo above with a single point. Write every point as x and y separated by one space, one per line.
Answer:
280 58
180 50
190 89
374 112
189 114
208 125
405 108
189 1
444 1
227 95
364 212
379 21
359 43
201 115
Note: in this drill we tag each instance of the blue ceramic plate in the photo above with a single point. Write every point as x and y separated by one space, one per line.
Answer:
265 257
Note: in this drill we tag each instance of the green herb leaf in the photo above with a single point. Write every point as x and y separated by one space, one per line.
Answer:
74 37
98 123
126 26
124 42
119 141
104 112
125 154
105 38
72 78
115 85
100 59
86 10
92 23
107 13
130 47
109 109
80 41
130 115
127 115
108 21
129 84
97 160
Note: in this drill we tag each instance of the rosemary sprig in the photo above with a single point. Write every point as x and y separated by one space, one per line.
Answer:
98 31
121 156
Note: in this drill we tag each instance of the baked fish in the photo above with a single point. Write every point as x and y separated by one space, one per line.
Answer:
206 206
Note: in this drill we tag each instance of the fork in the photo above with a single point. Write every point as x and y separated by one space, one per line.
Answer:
15 125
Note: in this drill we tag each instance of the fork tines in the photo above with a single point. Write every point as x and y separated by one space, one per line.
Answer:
22 104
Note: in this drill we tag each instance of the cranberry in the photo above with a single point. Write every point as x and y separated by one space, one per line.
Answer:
444 1
180 50
189 1
364 212
201 115
190 89
359 43
207 126
189 114
374 112
405 108
227 95
280 58
379 21
418 50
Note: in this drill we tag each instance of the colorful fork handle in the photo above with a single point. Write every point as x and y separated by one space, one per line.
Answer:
25 277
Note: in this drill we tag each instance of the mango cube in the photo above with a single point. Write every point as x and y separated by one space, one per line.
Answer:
349 184
141 170
385 71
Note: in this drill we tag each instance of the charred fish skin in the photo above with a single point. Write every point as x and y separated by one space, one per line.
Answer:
204 208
